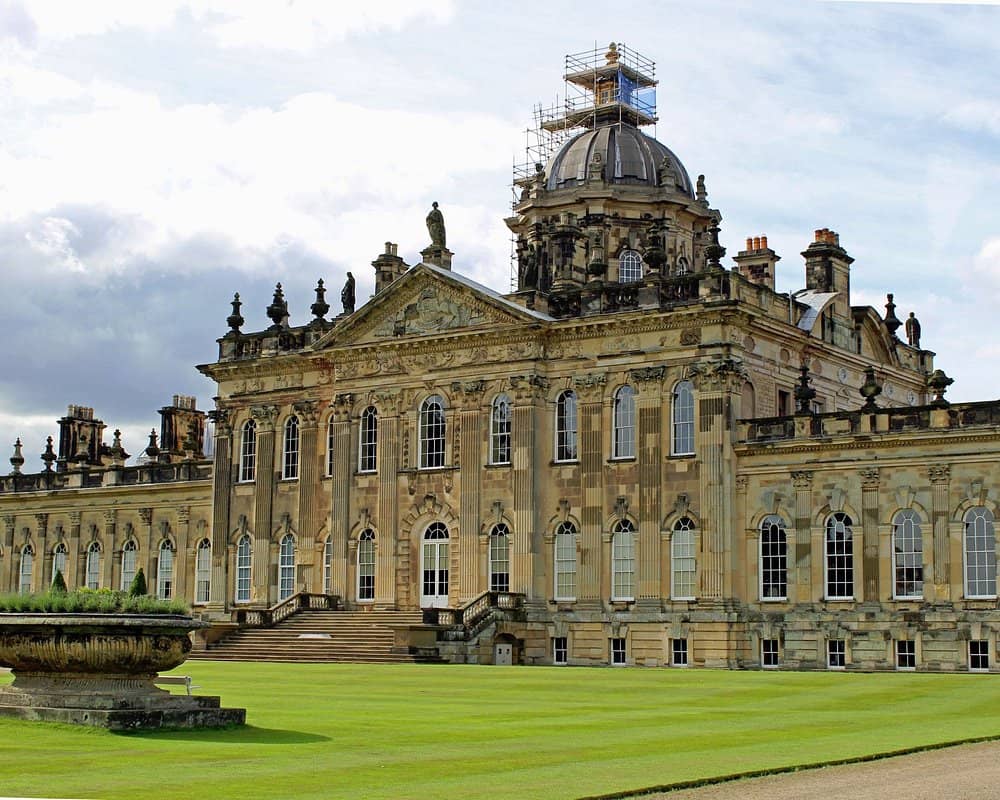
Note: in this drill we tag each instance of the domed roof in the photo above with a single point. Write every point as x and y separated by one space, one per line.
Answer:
629 157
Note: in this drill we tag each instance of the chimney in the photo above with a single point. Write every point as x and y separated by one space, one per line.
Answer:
758 262
182 429
388 267
79 435
828 267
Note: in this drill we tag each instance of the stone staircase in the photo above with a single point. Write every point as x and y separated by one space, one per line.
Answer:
320 636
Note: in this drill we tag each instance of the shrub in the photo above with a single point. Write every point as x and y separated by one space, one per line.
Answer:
89 601
58 583
138 586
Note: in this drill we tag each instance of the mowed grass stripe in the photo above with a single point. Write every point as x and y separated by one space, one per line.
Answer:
400 731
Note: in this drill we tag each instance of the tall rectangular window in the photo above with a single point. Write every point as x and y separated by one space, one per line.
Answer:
906 654
565 561
836 653
500 430
290 453
907 555
566 449
839 557
560 650
979 655
203 571
623 561
248 452
624 423
980 549
679 652
682 560
682 433
769 653
432 432
329 446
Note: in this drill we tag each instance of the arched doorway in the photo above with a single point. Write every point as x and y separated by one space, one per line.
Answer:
434 567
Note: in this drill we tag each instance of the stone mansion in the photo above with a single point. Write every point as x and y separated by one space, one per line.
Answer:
639 456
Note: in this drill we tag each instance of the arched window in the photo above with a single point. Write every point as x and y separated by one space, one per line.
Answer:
682 560
327 564
366 565
907 555
500 430
27 562
565 561
432 432
773 559
368 444
94 565
286 567
329 447
624 445
839 557
290 451
980 553
165 571
682 433
566 426
130 553
623 561
59 554
500 558
248 452
203 571
244 558
629 266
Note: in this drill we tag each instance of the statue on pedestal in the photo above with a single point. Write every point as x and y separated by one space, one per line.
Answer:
435 226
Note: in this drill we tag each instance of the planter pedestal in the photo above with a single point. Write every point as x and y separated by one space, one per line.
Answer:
98 669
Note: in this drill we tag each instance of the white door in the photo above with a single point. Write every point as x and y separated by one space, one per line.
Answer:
434 567
503 655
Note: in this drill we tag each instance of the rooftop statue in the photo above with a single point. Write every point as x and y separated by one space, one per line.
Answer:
347 295
435 226
913 331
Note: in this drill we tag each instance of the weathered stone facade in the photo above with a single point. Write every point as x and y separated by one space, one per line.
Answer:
638 457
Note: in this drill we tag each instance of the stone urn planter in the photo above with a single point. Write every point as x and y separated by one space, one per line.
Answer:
99 669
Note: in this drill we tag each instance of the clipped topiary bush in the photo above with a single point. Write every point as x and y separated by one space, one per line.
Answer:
138 586
89 601
58 583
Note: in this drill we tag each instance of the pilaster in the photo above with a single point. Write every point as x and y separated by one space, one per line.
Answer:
649 450
940 478
222 490
183 555
340 500
468 398
590 390
802 589
112 556
719 383
263 496
6 579
309 485
387 463
43 558
527 552
74 564
869 525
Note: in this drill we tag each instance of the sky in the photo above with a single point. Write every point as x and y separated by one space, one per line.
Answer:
156 157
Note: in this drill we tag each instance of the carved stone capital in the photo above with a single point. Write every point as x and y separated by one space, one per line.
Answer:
307 412
939 473
183 514
222 418
741 483
467 395
388 402
869 477
591 386
720 375
146 515
802 479
8 523
43 522
265 417
110 516
528 387
342 405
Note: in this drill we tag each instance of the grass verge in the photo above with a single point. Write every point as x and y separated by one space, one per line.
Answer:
400 731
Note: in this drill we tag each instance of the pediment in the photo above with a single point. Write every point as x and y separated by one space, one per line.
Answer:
426 301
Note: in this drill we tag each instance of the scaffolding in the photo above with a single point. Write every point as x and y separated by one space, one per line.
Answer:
615 85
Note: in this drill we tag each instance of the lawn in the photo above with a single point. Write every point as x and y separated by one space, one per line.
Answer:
395 731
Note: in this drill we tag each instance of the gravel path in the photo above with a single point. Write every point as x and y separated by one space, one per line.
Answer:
966 772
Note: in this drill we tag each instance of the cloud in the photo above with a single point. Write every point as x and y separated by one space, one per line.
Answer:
301 25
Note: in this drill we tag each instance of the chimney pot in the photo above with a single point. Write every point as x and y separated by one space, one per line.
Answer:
756 243
763 243
749 243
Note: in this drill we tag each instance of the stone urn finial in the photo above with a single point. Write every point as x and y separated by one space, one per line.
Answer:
870 389
938 383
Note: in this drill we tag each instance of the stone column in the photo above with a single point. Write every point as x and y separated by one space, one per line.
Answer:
745 559
309 484
6 580
649 451
222 489
183 556
802 589
146 548
387 463
719 390
869 527
468 398
527 562
263 496
112 557
340 500
43 559
589 391
74 564
940 477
